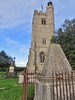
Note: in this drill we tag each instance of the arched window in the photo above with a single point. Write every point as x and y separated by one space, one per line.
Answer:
43 41
42 57
43 21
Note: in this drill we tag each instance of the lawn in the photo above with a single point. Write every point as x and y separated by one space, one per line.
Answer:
31 92
10 91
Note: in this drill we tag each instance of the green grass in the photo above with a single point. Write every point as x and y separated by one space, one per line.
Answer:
11 91
31 91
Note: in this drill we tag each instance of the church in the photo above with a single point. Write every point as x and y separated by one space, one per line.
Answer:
43 28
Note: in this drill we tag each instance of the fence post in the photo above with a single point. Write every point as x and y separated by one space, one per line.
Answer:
53 85
25 85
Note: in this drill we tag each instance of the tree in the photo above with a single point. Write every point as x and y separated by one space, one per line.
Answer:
65 36
5 61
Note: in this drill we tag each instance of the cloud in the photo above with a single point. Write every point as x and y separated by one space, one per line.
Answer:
63 9
11 41
22 48
13 12
16 12
21 64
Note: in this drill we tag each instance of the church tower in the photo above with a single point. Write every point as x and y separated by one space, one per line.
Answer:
43 29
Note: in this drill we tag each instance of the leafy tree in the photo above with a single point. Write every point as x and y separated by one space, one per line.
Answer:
5 61
65 36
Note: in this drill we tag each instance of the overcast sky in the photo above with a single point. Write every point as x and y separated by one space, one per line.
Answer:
16 24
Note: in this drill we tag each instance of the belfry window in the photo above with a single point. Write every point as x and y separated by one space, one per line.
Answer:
43 41
43 21
42 57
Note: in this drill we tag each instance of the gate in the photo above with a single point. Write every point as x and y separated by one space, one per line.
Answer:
63 85
28 85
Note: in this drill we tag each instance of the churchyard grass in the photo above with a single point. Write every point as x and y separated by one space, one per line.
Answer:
31 92
9 90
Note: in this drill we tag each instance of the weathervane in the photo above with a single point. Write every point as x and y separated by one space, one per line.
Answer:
41 6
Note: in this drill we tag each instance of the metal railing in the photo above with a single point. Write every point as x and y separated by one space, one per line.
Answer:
63 85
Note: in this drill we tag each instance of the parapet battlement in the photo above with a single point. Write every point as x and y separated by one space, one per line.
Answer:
36 12
49 5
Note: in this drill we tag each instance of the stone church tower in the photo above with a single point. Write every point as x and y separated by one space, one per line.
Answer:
43 29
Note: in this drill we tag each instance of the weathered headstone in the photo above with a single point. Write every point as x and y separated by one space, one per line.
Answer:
21 78
11 68
12 73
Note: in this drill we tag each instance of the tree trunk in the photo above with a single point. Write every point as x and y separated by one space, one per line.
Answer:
1 72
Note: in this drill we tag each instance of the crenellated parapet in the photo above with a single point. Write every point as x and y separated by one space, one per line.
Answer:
36 12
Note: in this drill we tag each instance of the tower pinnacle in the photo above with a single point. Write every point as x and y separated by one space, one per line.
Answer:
49 3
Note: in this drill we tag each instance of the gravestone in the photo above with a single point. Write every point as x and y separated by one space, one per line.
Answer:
12 71
21 78
11 68
55 61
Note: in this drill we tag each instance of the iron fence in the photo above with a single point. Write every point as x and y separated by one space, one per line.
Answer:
63 85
